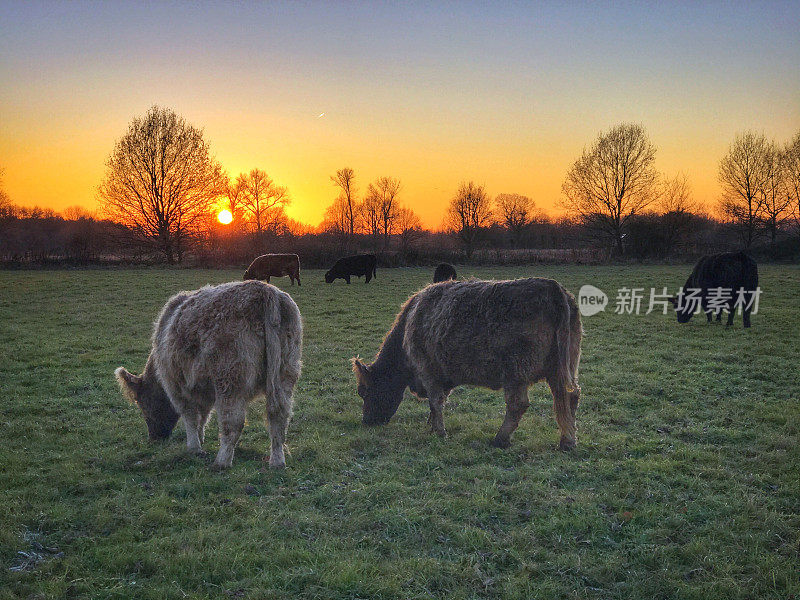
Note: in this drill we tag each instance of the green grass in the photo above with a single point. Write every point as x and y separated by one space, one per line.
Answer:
685 482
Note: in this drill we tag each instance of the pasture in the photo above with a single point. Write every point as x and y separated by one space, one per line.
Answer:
685 482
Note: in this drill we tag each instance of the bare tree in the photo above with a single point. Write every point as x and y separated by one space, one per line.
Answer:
677 208
4 199
234 196
469 213
409 228
347 203
515 212
791 180
263 202
161 181
336 222
380 207
371 217
76 213
743 174
612 181
775 206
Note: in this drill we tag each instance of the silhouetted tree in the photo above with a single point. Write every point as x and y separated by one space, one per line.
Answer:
380 207
743 174
515 213
791 179
775 207
612 181
677 210
468 214
161 181
263 202
347 204
5 201
409 228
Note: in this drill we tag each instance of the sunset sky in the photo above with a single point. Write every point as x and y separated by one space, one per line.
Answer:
435 93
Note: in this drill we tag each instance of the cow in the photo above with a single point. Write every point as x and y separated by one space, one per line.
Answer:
494 334
358 265
274 265
217 348
444 272
722 280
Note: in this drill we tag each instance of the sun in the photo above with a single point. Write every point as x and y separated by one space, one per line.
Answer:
225 217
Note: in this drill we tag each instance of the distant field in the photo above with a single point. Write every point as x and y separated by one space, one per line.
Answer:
685 482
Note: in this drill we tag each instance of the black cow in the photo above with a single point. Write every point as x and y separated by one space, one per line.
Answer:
444 272
358 265
730 272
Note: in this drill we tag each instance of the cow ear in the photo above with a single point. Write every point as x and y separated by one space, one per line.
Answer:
128 383
361 370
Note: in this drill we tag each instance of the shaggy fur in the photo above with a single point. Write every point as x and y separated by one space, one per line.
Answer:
443 272
274 265
729 270
218 348
495 334
358 265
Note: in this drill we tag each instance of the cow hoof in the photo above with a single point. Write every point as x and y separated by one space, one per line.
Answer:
500 443
566 444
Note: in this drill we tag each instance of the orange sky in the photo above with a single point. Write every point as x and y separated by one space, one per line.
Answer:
507 97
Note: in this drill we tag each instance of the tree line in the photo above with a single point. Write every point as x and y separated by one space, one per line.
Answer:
162 190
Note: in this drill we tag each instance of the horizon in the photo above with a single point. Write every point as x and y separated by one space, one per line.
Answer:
507 96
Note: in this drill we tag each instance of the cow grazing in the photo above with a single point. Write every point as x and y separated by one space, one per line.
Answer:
443 272
219 347
358 265
274 265
718 279
495 334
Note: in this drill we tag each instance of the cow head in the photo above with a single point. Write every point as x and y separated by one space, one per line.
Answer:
683 313
381 394
329 276
152 400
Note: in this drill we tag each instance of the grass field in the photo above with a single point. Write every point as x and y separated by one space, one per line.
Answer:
685 482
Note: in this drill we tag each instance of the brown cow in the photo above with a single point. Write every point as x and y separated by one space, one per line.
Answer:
495 334
274 265
217 348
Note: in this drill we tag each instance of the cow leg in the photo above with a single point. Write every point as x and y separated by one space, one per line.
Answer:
719 315
708 316
516 405
268 278
298 279
193 423
436 418
205 412
368 277
565 413
746 317
230 415
347 279
730 318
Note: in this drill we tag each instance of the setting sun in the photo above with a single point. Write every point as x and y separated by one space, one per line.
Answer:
225 217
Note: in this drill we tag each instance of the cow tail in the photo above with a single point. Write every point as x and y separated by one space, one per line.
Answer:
272 343
568 344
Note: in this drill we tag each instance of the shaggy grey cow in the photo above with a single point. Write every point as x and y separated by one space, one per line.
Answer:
495 334
219 347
